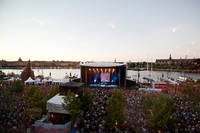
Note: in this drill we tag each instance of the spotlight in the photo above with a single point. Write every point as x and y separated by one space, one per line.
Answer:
52 116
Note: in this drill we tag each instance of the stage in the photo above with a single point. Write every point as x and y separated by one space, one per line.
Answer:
102 86
103 74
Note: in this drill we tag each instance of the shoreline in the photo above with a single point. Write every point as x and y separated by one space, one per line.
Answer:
164 70
167 70
184 71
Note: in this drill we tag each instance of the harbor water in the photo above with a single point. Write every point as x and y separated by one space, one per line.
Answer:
131 74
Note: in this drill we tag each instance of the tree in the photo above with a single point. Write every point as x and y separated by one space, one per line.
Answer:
35 113
159 108
28 72
17 86
2 75
72 104
35 98
116 109
189 93
87 100
53 91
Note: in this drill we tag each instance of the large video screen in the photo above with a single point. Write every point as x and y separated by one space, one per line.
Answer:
105 77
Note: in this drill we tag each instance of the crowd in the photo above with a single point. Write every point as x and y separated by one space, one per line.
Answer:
14 117
136 118
188 119
93 120
186 114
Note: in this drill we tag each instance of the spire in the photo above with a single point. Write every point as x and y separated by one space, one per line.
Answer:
29 64
170 57
19 60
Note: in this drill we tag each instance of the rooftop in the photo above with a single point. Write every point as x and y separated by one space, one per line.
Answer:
101 64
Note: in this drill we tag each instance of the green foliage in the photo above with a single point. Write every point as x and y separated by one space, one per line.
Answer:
35 113
2 75
87 100
17 86
116 109
158 108
35 98
190 94
198 81
73 105
53 91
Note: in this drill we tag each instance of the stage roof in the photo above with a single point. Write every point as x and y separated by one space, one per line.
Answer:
102 64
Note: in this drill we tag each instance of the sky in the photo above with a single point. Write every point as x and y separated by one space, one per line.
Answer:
99 30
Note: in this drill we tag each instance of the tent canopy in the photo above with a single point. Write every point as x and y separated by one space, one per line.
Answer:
38 79
29 80
54 105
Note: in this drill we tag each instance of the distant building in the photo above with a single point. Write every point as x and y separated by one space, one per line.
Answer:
39 64
170 61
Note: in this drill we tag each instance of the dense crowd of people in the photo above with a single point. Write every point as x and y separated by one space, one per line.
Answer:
188 118
14 117
93 120
136 118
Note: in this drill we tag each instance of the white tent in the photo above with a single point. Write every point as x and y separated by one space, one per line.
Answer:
54 104
44 80
11 79
30 80
38 80
50 79
60 80
18 78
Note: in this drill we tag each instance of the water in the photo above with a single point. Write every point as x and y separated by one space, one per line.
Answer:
61 73
156 75
55 73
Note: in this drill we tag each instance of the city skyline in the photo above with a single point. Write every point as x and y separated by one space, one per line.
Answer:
99 30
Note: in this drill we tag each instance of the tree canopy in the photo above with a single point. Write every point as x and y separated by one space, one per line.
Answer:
72 104
35 98
87 100
158 109
116 111
2 75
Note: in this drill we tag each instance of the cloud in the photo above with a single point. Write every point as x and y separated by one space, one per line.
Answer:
111 25
195 42
38 21
174 28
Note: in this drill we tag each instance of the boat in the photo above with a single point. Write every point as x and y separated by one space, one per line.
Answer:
148 79
181 79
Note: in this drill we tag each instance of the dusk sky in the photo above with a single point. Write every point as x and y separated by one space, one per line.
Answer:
99 30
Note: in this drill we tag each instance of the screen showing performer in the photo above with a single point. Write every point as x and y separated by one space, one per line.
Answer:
105 77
